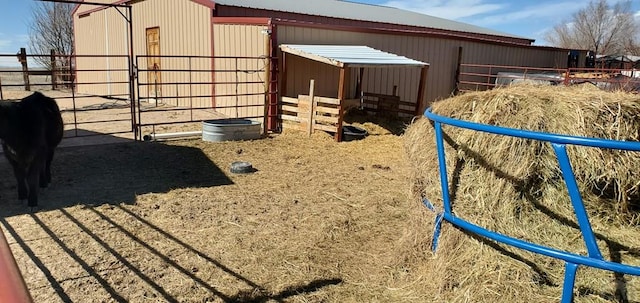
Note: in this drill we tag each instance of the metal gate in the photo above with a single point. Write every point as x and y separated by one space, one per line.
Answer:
176 93
95 103
96 99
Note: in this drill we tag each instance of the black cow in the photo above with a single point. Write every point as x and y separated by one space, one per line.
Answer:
30 131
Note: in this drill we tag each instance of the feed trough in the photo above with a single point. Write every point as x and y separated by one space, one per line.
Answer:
352 133
230 130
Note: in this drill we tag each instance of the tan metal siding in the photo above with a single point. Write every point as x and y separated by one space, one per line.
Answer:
100 35
240 41
327 77
185 30
86 29
440 53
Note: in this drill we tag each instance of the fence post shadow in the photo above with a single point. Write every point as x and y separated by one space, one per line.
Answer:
257 293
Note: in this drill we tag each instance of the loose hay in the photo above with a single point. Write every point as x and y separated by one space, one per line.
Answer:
161 222
514 186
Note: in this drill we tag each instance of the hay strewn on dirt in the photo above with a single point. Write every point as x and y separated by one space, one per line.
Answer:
514 186
166 221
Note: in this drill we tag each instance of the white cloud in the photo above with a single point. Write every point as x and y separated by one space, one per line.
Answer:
552 11
5 43
12 43
454 9
9 62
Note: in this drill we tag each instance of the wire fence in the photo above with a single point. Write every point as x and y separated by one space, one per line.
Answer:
192 89
169 93
478 77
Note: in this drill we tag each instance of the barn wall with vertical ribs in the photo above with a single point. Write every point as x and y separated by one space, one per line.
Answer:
440 53
248 43
185 31
186 28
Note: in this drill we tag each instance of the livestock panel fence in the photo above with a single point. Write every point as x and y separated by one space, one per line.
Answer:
480 77
177 93
170 93
94 101
559 144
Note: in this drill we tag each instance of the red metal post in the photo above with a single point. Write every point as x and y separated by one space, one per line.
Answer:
566 76
273 77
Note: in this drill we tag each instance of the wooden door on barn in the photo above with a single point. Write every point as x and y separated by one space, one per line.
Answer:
154 80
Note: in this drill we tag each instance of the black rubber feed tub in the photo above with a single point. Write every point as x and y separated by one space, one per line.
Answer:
241 167
352 133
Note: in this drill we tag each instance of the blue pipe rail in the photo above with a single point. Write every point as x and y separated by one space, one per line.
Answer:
559 143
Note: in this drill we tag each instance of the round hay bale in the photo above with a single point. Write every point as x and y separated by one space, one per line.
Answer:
514 186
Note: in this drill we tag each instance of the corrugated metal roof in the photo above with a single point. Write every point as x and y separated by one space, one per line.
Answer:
628 58
364 12
351 55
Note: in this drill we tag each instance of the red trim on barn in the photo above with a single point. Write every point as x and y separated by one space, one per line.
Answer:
242 20
363 26
208 3
75 9
234 11
93 10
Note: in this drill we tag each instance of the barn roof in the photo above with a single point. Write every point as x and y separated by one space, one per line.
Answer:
349 55
627 58
364 12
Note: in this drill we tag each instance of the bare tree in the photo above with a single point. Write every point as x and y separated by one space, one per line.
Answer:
600 27
51 29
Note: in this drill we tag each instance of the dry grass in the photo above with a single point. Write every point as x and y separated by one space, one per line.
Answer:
514 186
154 222
321 221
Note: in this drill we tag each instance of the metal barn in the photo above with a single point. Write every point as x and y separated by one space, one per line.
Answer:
194 41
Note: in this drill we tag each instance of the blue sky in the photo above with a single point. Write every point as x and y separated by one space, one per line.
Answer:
14 27
523 18
530 19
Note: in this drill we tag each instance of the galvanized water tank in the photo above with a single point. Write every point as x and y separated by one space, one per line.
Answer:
230 130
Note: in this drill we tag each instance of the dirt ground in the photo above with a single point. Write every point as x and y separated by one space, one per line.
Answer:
167 222
317 221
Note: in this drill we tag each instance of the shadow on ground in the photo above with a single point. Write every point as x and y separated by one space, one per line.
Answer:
394 125
114 173
117 251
